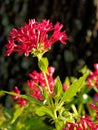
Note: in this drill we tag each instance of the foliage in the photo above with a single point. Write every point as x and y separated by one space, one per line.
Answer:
67 105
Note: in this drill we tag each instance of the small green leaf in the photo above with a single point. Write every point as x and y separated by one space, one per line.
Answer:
73 89
67 81
43 64
17 113
44 93
41 111
25 96
84 70
58 87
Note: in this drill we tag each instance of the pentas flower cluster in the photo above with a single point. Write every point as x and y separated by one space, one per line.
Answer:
85 123
35 37
39 83
92 80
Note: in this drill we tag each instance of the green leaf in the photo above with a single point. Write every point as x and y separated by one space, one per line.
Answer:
73 89
58 87
2 93
67 81
25 96
84 70
43 64
17 113
41 111
36 123
30 98
7 112
44 93
59 125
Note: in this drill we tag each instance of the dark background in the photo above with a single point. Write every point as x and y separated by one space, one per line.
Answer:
80 19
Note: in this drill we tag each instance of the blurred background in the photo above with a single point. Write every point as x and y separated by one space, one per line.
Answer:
80 19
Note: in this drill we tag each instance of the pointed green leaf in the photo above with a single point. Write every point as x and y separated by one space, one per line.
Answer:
73 89
25 96
30 98
17 113
44 93
67 81
58 87
43 64
41 111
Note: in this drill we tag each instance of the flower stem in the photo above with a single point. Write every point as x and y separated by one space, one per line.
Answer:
47 82
74 109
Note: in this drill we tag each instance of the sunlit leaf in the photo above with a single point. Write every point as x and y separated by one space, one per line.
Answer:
73 89
17 113
58 87
43 110
43 64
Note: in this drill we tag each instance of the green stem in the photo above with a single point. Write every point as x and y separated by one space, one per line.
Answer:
74 109
47 82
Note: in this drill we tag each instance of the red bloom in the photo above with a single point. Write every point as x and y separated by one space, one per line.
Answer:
34 37
93 77
20 101
38 83
85 123
93 107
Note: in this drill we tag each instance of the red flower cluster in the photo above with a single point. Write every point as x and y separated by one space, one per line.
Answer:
20 101
85 123
38 83
93 107
35 37
92 80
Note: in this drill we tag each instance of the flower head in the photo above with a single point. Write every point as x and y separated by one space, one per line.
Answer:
35 37
85 123
37 83
92 80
